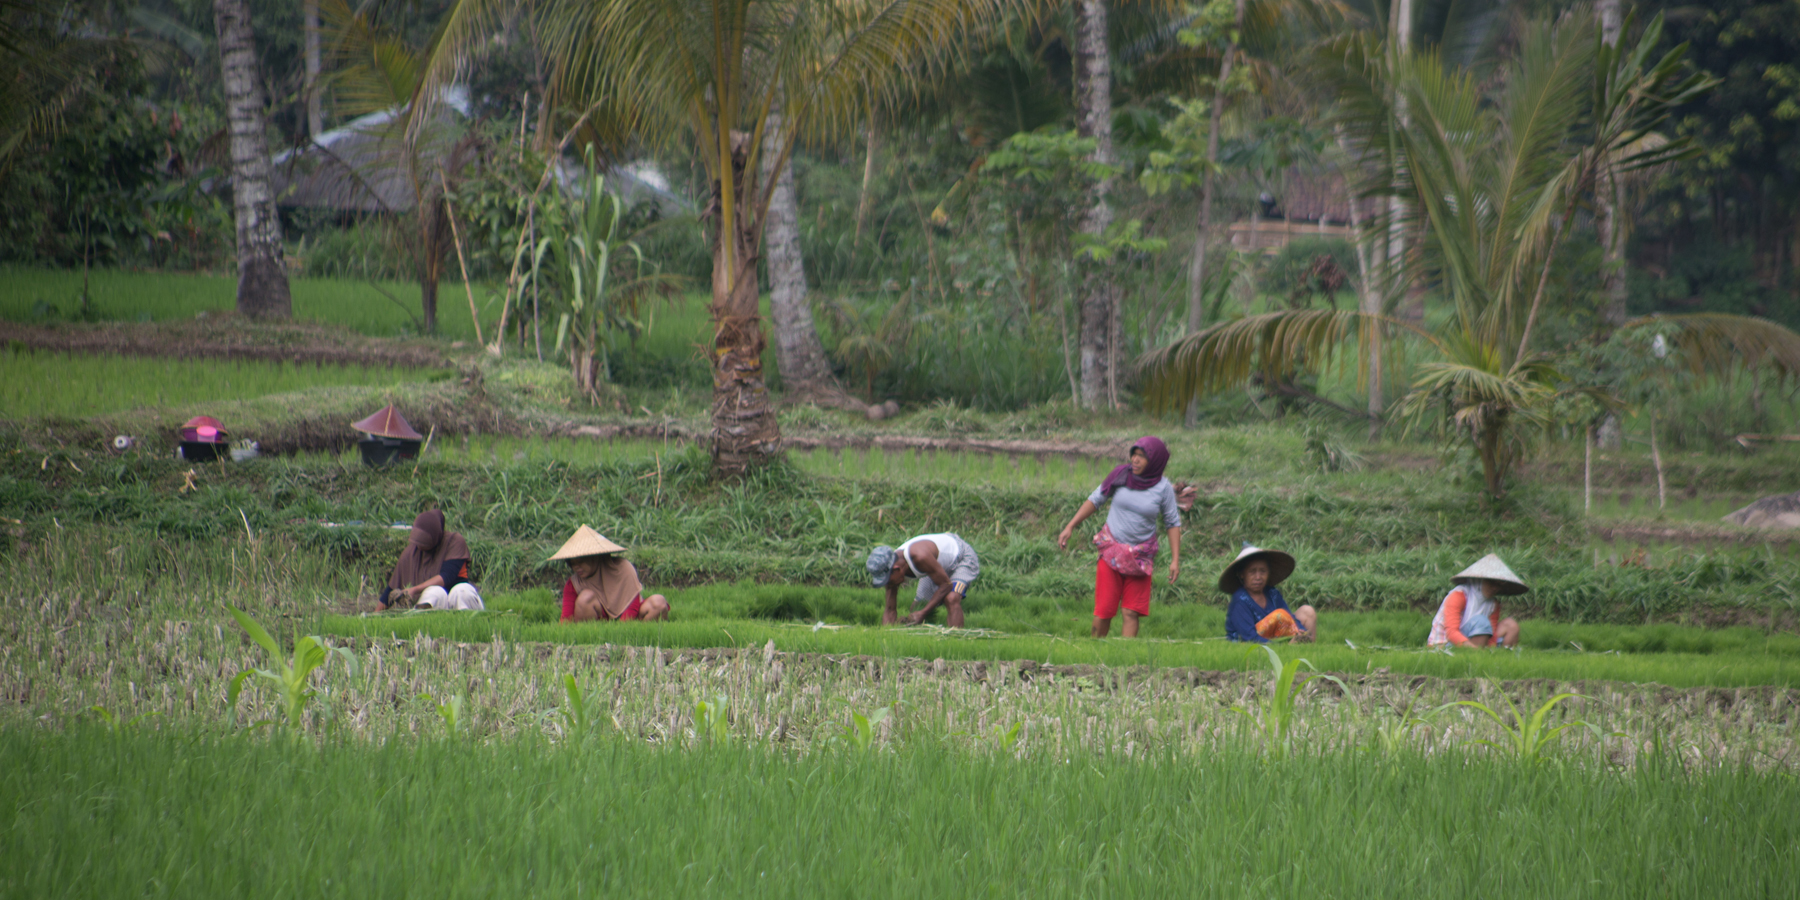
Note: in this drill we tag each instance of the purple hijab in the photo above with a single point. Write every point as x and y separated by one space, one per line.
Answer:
1156 455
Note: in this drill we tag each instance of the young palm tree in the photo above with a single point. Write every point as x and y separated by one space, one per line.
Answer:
710 72
1495 182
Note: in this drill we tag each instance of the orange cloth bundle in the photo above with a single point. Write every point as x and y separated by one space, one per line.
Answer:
1278 624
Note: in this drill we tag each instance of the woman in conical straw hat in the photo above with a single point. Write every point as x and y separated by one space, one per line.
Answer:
603 585
1469 616
1258 612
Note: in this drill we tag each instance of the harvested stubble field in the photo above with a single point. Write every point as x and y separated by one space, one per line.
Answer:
465 769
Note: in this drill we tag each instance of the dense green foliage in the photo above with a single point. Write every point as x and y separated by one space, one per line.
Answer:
450 818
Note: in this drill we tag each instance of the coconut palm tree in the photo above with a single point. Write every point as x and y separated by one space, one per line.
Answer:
709 72
262 290
1495 180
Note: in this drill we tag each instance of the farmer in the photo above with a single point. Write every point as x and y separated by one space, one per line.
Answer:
1141 498
945 565
603 585
1258 611
1470 613
433 569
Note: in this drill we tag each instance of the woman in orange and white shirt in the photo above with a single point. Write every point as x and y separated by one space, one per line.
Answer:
1469 615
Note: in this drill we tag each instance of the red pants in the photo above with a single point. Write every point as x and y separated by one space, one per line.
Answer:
1112 589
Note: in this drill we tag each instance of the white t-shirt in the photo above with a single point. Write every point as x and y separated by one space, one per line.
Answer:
948 549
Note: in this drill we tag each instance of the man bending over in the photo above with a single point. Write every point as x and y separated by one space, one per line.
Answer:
945 565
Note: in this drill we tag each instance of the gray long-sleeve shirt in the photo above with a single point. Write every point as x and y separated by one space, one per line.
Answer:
1134 513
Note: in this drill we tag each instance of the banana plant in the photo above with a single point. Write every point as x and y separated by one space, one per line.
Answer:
597 272
289 678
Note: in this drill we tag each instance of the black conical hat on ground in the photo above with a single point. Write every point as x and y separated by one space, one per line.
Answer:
387 422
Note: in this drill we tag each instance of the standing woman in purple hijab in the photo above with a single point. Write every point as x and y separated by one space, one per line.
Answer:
1141 499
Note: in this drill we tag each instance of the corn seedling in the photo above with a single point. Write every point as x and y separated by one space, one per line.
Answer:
710 720
861 733
1276 724
1008 738
289 678
450 711
574 711
1525 738
113 722
1390 734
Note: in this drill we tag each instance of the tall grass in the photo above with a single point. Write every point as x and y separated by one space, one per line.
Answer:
112 814
37 383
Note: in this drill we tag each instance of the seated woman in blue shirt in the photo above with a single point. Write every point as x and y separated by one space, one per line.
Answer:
1258 612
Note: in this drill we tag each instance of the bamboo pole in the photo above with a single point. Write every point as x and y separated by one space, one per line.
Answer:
456 240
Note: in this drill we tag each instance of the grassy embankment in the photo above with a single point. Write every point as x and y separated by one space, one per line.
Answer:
115 814
1364 541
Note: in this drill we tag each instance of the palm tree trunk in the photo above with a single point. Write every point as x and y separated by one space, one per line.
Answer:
315 114
262 277
798 351
1197 268
1093 119
745 431
432 226
1612 243
1396 249
864 196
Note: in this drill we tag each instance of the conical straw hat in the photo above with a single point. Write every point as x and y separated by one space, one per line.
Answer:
1491 568
586 542
387 422
1281 566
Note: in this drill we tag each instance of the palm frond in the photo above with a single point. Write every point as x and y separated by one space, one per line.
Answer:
1275 344
1718 343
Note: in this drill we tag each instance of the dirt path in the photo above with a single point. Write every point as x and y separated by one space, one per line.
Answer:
860 441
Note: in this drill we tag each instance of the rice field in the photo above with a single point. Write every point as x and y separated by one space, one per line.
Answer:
37 383
771 741
156 810
381 309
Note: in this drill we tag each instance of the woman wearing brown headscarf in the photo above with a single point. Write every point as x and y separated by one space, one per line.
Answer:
602 584
433 569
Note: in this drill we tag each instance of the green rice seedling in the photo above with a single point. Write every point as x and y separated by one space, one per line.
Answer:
1526 738
711 721
1276 724
289 678
449 711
